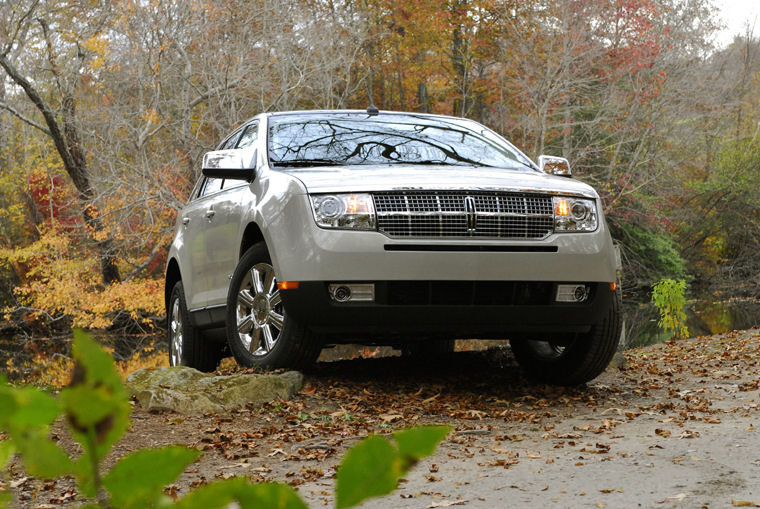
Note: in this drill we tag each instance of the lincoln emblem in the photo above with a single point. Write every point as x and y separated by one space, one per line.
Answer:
469 207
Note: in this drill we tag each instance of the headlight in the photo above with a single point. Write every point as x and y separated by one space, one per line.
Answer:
574 215
345 211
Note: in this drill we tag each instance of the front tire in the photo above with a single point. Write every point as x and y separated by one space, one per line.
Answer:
187 346
259 330
577 361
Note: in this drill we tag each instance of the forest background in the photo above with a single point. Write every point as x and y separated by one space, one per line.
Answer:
106 109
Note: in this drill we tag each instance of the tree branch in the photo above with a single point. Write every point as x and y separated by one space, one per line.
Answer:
213 91
21 117
47 112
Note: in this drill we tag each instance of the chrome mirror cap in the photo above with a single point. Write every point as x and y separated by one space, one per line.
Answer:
236 164
554 165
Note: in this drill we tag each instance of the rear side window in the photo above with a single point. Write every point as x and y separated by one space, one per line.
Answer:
231 141
211 185
249 135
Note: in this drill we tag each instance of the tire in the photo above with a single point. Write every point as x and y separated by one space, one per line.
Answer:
259 330
428 348
577 361
187 346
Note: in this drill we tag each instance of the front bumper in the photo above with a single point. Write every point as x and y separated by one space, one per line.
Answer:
446 309
302 251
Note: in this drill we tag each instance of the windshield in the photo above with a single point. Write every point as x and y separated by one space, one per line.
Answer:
327 139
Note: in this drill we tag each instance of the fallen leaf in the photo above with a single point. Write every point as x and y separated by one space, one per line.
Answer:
447 503
18 482
389 418
677 498
430 399
744 503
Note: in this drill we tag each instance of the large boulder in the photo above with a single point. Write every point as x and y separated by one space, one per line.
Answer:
188 391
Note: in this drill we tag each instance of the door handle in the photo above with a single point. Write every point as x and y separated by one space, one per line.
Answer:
210 213
185 220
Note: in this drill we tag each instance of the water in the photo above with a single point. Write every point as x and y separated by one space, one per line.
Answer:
703 318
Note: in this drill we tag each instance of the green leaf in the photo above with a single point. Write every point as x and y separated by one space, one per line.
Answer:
212 496
269 495
369 469
99 423
6 499
88 405
26 407
42 457
221 494
136 480
6 453
96 362
416 443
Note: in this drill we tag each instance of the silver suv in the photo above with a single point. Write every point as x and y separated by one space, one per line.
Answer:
321 227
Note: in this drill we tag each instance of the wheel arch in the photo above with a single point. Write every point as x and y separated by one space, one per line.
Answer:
251 235
173 276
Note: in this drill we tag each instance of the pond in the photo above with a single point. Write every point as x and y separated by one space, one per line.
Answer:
704 317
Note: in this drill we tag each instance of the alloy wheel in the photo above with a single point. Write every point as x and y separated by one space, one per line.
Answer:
260 316
175 331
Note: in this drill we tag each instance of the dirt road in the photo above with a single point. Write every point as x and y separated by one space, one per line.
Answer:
676 427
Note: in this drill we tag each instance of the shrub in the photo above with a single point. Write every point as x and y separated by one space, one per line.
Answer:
669 295
96 408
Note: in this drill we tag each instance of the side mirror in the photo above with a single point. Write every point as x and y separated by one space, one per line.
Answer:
235 164
554 165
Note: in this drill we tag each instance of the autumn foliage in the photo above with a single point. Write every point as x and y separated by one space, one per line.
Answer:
631 91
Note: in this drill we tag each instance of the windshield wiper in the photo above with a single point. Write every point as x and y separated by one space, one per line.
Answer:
307 162
434 162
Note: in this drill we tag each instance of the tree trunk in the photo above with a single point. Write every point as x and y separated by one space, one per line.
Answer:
423 101
67 142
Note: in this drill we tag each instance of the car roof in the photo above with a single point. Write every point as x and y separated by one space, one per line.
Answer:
364 112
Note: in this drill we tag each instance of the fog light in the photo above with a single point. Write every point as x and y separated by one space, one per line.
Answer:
572 293
341 293
351 292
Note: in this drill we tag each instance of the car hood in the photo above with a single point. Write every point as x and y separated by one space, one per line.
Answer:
341 179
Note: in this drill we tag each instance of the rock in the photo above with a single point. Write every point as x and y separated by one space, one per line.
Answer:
188 391
618 360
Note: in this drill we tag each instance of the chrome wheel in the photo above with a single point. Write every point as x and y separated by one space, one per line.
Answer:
259 311
175 331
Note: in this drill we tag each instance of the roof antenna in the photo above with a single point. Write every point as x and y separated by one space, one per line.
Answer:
371 109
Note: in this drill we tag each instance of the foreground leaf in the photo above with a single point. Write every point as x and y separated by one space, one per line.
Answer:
96 402
6 453
271 496
370 469
212 496
416 443
221 494
137 480
26 407
42 457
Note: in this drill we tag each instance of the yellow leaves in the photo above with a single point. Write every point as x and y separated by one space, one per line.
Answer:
148 359
98 45
64 279
151 116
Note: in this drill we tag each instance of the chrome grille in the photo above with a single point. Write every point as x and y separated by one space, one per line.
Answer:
431 214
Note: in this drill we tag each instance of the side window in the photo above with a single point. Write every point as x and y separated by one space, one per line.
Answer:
249 135
211 185
231 141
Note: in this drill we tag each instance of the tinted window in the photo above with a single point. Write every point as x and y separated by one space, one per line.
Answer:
211 185
230 142
356 139
249 135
